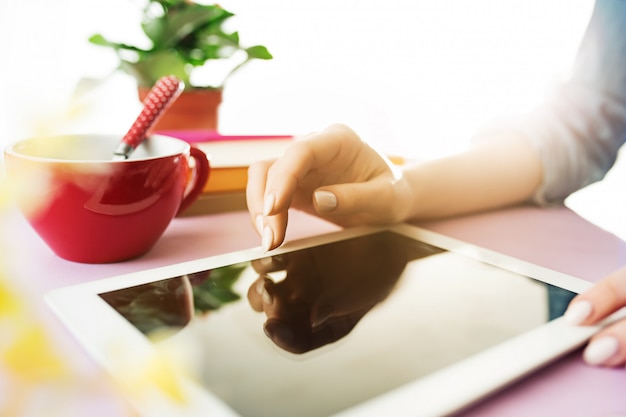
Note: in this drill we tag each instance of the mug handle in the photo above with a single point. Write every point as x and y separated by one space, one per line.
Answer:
200 176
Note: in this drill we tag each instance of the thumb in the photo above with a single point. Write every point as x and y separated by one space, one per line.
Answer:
367 202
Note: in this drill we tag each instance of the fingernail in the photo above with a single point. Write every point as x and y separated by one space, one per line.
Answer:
577 312
601 350
267 238
326 201
268 204
260 287
266 296
259 223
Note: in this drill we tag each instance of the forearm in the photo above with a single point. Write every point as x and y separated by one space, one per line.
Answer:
494 173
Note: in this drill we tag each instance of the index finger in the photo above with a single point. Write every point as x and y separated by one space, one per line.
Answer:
255 191
315 151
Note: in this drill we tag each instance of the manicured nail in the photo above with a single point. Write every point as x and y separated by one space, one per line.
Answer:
267 297
577 312
267 238
326 201
268 204
601 350
259 223
261 289
260 286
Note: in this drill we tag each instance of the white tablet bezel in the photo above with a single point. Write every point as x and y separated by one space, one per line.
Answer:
80 306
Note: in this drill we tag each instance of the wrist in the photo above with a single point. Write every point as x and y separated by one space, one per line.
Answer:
405 205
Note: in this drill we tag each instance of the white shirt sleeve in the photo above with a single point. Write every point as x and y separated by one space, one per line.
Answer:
579 129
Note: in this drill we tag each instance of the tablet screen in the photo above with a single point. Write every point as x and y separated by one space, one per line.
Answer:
315 331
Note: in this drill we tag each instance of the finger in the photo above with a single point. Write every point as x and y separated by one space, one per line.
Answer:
255 192
290 336
608 347
259 293
274 230
314 152
321 311
268 182
370 202
269 264
602 299
334 329
285 176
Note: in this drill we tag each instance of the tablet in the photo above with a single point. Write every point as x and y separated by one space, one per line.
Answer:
360 322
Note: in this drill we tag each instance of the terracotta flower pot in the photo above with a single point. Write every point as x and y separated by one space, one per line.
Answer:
193 110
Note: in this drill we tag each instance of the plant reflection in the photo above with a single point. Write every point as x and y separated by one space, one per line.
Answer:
170 304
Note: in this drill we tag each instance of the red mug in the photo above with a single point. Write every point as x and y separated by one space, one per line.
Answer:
89 208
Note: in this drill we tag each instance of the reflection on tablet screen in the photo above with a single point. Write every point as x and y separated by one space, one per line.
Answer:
315 331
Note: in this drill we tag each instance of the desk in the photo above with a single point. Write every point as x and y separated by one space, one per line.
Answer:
555 238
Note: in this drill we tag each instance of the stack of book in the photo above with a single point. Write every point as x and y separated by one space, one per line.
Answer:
229 157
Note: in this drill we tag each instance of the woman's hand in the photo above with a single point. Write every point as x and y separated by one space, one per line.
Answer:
607 347
332 174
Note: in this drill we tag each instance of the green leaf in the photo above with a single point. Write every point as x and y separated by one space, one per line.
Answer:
183 23
102 41
227 276
217 290
98 39
184 35
259 52
154 28
232 38
154 66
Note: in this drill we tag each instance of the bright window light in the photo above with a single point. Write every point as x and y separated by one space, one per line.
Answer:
416 77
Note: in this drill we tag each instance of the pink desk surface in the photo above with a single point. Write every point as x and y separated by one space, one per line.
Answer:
554 238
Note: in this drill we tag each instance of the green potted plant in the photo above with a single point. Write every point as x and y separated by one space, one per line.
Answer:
185 38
